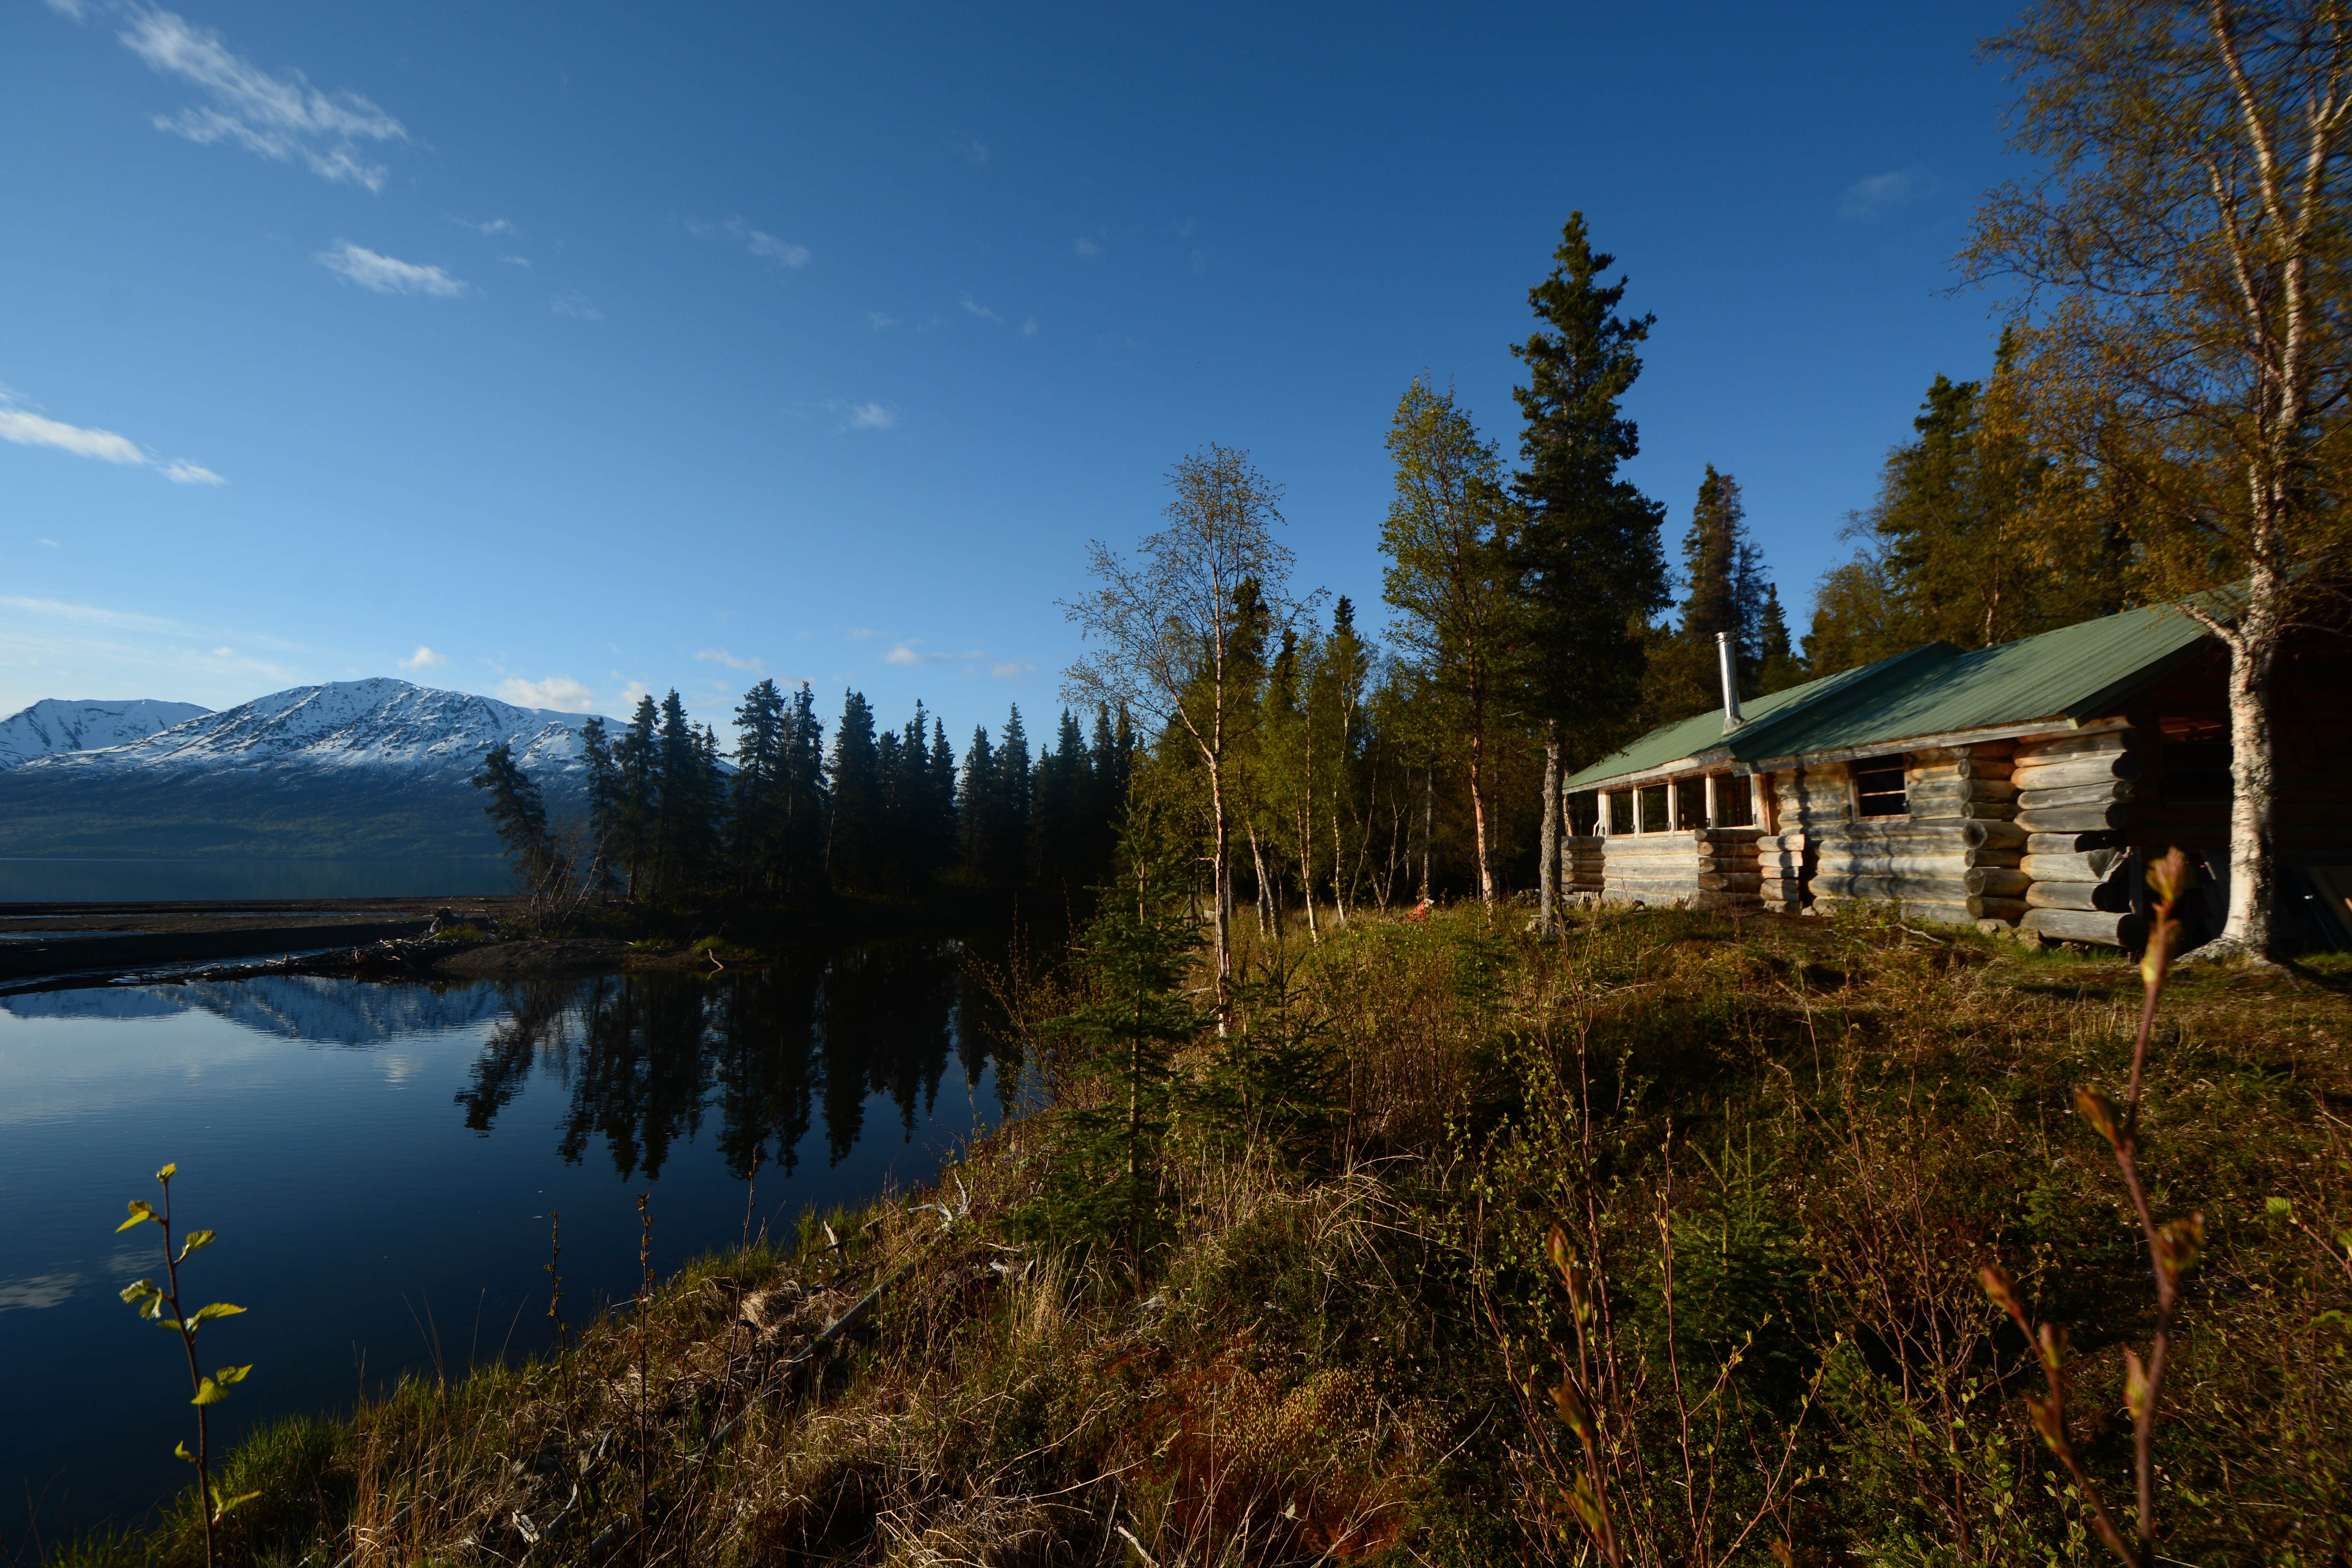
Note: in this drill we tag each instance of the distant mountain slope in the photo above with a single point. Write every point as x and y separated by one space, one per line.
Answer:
51 726
356 769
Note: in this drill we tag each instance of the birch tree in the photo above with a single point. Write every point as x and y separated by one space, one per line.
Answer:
1165 628
2181 270
1448 539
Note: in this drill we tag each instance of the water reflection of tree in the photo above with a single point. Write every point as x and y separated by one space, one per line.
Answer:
644 1057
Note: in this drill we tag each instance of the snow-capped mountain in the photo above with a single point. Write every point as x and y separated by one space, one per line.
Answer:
357 770
381 726
51 726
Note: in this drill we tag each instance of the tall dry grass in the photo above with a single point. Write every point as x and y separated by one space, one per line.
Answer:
1776 1153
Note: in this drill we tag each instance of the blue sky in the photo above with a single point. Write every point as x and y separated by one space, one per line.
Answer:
562 352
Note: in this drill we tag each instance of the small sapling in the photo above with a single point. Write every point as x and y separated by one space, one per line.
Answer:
160 1304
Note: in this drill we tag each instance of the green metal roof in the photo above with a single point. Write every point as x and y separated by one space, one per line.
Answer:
2071 674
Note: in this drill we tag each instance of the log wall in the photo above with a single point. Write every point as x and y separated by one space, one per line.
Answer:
1587 863
1699 868
1954 856
2074 792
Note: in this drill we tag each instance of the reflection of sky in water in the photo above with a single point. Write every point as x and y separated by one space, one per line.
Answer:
379 1161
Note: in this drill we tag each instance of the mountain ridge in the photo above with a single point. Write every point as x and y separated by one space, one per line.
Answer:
371 769
56 725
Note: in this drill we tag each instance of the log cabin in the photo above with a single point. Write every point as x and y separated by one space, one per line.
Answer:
2018 788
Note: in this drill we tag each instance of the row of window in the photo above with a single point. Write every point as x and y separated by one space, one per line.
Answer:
2193 761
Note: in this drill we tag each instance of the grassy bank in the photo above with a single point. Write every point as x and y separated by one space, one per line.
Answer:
1774 1156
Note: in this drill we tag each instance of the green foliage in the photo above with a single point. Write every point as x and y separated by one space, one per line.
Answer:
1120 1089
160 1305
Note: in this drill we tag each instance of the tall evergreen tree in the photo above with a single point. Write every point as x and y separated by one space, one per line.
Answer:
1589 554
944 842
854 846
1056 856
758 813
1015 780
980 808
520 815
637 763
807 801
1776 667
603 803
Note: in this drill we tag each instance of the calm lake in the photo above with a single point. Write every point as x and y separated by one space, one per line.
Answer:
380 1161
29 880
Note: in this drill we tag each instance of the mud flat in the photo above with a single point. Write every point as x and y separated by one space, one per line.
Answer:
48 942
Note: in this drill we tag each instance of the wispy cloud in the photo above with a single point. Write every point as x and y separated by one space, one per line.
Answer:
389 275
559 691
881 321
970 149
914 653
483 225
23 427
52 543
282 118
61 643
871 416
765 246
516 261
732 662
1029 326
1086 248
575 304
977 308
71 10
424 658
1869 200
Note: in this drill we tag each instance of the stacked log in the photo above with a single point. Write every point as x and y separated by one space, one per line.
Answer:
1785 863
1652 867
1813 797
2072 794
1586 862
1731 872
1954 858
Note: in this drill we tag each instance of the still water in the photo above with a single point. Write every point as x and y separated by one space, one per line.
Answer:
380 1161
30 880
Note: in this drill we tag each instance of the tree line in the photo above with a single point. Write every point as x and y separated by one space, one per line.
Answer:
673 816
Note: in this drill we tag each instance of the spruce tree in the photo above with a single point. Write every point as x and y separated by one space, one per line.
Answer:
519 816
603 803
1018 786
980 807
807 803
636 761
944 842
1776 667
853 848
758 811
1589 554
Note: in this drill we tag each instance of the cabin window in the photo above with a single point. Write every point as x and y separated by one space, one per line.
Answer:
1583 811
1690 803
1878 787
1620 812
2195 760
1735 802
1654 809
